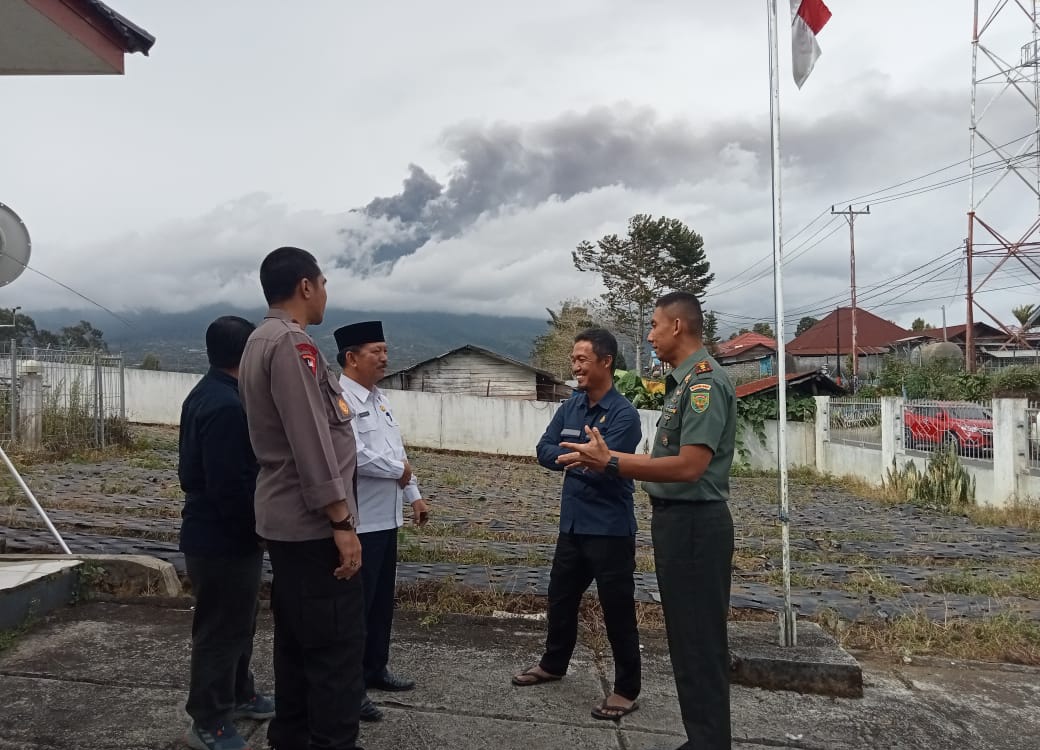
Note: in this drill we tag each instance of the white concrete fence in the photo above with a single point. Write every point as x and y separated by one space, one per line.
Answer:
513 427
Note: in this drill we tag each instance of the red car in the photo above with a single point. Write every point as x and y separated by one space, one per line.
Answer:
964 426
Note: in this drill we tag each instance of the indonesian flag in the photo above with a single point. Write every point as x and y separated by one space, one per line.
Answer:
808 17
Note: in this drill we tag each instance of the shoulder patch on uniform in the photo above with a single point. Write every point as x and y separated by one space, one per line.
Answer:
699 401
343 408
309 355
702 367
700 387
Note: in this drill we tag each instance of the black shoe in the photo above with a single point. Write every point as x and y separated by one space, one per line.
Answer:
370 711
391 682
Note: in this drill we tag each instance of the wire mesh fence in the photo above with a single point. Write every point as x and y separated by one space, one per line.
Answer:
61 401
966 427
856 421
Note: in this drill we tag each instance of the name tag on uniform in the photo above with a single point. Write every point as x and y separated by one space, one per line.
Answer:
363 414
570 433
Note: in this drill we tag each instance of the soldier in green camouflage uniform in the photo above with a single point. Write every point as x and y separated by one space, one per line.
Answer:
687 478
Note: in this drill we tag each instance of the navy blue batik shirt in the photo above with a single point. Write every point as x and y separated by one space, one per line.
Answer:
593 503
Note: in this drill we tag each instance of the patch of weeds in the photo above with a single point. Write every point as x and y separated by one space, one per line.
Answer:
91 580
944 485
451 479
1024 514
120 486
478 531
775 577
645 560
10 492
872 582
152 461
1025 583
1004 637
409 551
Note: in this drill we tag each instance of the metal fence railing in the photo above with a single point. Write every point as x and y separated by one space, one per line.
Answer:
1033 435
57 399
966 427
856 420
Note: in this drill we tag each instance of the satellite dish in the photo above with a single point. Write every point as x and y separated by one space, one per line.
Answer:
14 246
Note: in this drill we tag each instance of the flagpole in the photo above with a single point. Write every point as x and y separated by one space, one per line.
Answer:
788 628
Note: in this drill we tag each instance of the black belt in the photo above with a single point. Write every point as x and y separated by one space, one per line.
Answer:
661 502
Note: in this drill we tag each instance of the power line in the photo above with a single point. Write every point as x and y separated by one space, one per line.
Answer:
79 294
995 166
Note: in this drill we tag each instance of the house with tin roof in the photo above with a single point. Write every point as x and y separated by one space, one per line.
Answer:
749 355
828 344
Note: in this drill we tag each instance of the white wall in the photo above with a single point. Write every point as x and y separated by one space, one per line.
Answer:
801 446
155 397
513 427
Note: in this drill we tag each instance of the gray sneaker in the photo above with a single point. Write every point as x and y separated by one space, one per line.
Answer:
258 707
223 737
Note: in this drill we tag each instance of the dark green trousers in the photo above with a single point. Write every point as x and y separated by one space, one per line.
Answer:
693 554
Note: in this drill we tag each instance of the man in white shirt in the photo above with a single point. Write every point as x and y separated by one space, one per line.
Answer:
384 483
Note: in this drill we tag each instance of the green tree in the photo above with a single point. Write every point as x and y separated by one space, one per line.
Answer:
711 330
919 324
656 256
805 324
1022 313
83 335
17 326
552 350
763 329
151 362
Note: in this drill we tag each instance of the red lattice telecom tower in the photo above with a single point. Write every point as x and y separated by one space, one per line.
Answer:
1004 203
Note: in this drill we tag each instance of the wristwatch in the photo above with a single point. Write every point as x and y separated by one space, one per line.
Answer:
612 468
347 524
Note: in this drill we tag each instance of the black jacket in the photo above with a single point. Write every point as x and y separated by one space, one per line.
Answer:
217 471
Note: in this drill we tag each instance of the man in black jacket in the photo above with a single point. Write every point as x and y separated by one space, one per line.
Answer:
224 559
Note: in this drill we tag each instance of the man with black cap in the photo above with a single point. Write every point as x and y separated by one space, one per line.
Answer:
385 483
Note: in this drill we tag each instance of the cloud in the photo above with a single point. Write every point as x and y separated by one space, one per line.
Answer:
495 235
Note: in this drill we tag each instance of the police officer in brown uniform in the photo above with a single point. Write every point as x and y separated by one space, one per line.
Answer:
687 478
306 510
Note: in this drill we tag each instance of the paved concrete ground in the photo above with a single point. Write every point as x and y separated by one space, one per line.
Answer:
113 676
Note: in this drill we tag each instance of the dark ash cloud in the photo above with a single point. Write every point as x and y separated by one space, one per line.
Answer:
502 165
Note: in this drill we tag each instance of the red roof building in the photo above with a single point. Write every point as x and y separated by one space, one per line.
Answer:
66 37
743 343
874 335
749 355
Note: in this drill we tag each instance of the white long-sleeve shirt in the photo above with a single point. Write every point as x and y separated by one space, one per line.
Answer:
380 459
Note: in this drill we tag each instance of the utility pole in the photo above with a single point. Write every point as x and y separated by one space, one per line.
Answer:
837 343
850 217
944 322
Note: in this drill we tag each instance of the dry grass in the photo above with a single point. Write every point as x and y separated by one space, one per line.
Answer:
409 551
872 582
1004 637
1023 514
972 583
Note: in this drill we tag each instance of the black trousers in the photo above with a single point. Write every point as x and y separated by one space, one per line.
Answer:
611 562
222 629
379 573
693 553
319 635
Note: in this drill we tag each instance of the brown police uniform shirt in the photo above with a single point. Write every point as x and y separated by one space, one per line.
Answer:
299 425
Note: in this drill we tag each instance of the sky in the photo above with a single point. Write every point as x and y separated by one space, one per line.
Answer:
449 156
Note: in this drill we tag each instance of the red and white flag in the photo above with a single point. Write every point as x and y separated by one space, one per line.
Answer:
808 17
